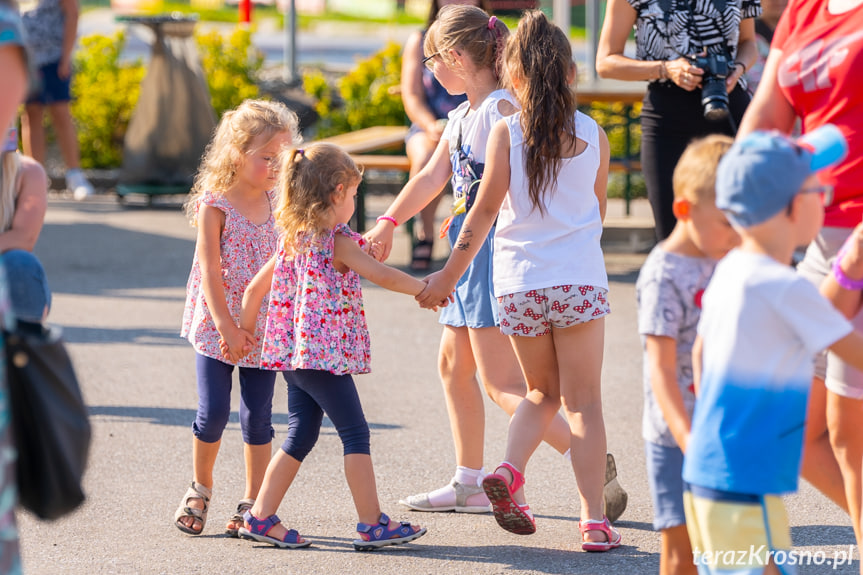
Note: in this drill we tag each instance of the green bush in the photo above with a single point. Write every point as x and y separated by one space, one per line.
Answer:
365 95
231 65
105 92
613 118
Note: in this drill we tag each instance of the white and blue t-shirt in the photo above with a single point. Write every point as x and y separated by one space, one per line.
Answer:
761 325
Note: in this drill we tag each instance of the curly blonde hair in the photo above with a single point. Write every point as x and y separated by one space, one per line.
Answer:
232 140
468 29
308 180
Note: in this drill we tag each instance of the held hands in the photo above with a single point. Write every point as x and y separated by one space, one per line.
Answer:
236 343
438 291
374 249
380 239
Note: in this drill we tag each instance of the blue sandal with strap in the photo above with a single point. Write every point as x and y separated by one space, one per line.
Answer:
257 530
385 533
510 515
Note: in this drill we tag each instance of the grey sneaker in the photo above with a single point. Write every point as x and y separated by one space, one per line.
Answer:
462 493
77 183
614 496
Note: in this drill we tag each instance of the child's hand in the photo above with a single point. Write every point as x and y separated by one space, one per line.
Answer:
438 291
236 344
852 254
382 234
375 249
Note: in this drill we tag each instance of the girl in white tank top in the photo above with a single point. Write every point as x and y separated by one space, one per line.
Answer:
545 183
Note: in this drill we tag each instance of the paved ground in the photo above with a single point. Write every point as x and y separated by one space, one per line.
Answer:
118 275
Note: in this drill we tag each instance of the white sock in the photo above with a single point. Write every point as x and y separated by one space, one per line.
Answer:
568 456
469 476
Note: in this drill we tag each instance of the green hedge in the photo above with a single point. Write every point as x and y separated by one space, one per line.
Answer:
363 98
106 89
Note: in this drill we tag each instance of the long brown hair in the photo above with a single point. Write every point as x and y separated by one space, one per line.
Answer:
539 56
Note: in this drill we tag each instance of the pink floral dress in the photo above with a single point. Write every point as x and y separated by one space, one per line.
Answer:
315 318
245 248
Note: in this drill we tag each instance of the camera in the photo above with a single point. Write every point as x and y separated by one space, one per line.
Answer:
714 96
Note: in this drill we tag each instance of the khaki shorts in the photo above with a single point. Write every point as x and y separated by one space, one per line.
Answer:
839 377
737 534
533 313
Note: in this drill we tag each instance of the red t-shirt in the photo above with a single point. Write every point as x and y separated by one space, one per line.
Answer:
821 75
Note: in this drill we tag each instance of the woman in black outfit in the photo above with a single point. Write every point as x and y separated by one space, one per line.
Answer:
669 34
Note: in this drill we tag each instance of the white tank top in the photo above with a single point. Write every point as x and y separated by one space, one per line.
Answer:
561 247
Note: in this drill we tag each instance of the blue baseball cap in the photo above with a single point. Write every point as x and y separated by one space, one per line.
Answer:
762 172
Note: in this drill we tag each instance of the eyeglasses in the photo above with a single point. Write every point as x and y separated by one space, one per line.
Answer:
428 61
825 191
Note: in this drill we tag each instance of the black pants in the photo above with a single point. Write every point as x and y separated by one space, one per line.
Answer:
671 117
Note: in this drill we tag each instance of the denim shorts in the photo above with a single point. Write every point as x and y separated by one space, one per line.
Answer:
28 286
665 477
49 87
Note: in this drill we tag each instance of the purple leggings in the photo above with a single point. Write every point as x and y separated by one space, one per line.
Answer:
311 393
214 401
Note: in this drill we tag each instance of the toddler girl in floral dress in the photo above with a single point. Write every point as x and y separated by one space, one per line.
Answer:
317 336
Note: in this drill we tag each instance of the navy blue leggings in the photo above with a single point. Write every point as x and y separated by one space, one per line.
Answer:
311 393
214 401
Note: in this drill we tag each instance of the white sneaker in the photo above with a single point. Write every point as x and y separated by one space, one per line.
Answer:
78 184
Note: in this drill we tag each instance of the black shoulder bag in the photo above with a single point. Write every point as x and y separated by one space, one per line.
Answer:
50 423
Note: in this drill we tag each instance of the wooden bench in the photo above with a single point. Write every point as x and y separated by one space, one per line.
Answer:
360 143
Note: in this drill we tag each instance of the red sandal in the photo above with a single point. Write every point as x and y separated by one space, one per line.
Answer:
510 515
612 535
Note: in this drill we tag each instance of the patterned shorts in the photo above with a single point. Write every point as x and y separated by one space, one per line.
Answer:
535 312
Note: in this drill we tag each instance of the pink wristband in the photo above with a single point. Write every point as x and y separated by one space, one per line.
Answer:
840 276
388 219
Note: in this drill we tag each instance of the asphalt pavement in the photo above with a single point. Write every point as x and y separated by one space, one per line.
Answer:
118 275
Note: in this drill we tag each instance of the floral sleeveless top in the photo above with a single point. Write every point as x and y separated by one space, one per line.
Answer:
315 318
245 248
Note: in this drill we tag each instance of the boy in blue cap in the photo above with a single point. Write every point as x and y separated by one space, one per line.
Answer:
761 324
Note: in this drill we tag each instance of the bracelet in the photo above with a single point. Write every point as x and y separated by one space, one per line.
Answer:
741 64
388 219
663 71
843 280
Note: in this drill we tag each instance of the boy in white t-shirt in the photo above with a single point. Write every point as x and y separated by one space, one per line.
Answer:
669 290
760 326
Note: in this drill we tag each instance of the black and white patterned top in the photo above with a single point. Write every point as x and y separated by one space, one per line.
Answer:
670 29
44 21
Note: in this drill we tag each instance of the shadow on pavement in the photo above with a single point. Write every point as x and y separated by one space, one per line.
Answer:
822 535
185 417
122 335
95 259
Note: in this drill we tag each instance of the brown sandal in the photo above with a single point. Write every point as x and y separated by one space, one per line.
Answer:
195 491
236 521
